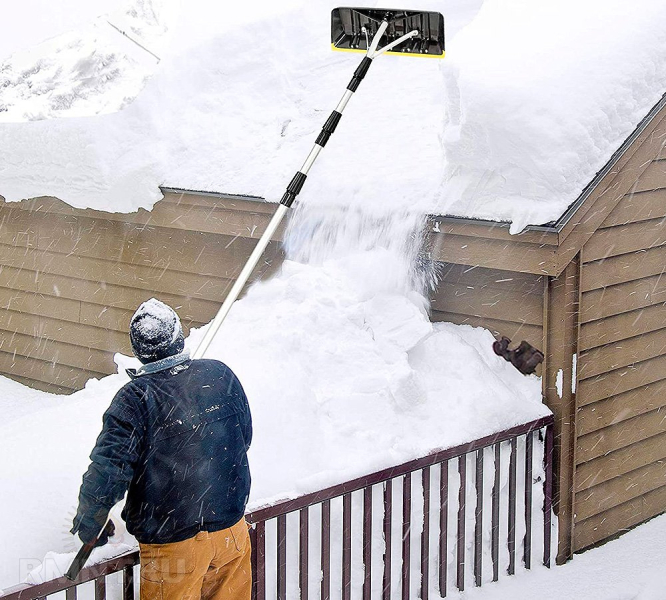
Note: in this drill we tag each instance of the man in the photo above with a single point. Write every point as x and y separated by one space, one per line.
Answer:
175 438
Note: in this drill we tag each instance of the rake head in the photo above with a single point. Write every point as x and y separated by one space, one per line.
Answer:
353 28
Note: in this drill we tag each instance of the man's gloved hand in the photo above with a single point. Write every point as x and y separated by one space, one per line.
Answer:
87 535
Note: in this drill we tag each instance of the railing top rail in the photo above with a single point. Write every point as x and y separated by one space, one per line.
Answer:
291 505
26 591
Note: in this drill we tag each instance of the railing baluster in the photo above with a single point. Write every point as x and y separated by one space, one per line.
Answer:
128 583
460 546
425 534
367 543
326 550
527 546
388 516
304 550
406 532
511 541
100 588
346 546
443 526
547 495
258 541
495 528
478 520
282 557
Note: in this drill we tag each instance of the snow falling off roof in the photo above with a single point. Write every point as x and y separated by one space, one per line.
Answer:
531 100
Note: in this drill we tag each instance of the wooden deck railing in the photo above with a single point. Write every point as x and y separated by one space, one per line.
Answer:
361 546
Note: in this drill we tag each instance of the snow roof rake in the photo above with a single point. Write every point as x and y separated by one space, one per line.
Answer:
374 31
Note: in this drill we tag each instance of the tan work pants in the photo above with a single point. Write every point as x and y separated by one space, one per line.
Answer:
208 566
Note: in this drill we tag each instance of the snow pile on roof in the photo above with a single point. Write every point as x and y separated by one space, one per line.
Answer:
235 106
538 97
532 99
95 69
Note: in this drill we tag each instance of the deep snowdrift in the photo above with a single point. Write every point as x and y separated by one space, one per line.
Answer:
538 97
529 103
344 372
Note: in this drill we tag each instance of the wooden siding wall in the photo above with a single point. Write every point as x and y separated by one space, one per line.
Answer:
71 279
506 302
620 477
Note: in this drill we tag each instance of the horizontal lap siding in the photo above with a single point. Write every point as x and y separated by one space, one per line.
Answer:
506 303
621 397
70 279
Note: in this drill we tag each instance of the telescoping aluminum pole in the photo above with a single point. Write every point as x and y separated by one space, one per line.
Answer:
296 184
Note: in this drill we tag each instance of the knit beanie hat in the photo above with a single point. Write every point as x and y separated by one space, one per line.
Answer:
155 332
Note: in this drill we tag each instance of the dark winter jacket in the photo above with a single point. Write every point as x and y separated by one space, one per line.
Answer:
175 437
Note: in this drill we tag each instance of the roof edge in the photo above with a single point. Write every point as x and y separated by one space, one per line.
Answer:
559 225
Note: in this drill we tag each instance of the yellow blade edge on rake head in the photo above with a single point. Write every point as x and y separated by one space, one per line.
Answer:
352 28
396 52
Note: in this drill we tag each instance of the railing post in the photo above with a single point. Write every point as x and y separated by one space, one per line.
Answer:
527 546
478 520
367 543
406 532
128 583
425 534
443 526
388 517
460 546
258 541
547 495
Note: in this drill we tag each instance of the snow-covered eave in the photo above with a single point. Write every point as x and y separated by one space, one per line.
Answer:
547 249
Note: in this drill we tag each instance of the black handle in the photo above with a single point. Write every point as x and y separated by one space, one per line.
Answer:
85 551
80 559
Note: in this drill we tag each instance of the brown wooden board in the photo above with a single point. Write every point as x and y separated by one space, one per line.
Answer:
481 278
607 412
489 230
619 519
624 239
141 277
621 435
53 351
624 297
107 295
64 331
623 268
622 326
620 462
41 385
515 331
621 380
47 372
492 254
653 178
636 207
619 490
506 305
246 218
620 354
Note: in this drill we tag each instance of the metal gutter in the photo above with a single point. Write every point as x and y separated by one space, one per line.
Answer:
172 190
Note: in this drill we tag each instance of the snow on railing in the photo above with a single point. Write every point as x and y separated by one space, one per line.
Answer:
362 547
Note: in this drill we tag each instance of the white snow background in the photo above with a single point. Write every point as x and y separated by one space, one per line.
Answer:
344 372
530 101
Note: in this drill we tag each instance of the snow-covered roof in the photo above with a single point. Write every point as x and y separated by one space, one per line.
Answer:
530 102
